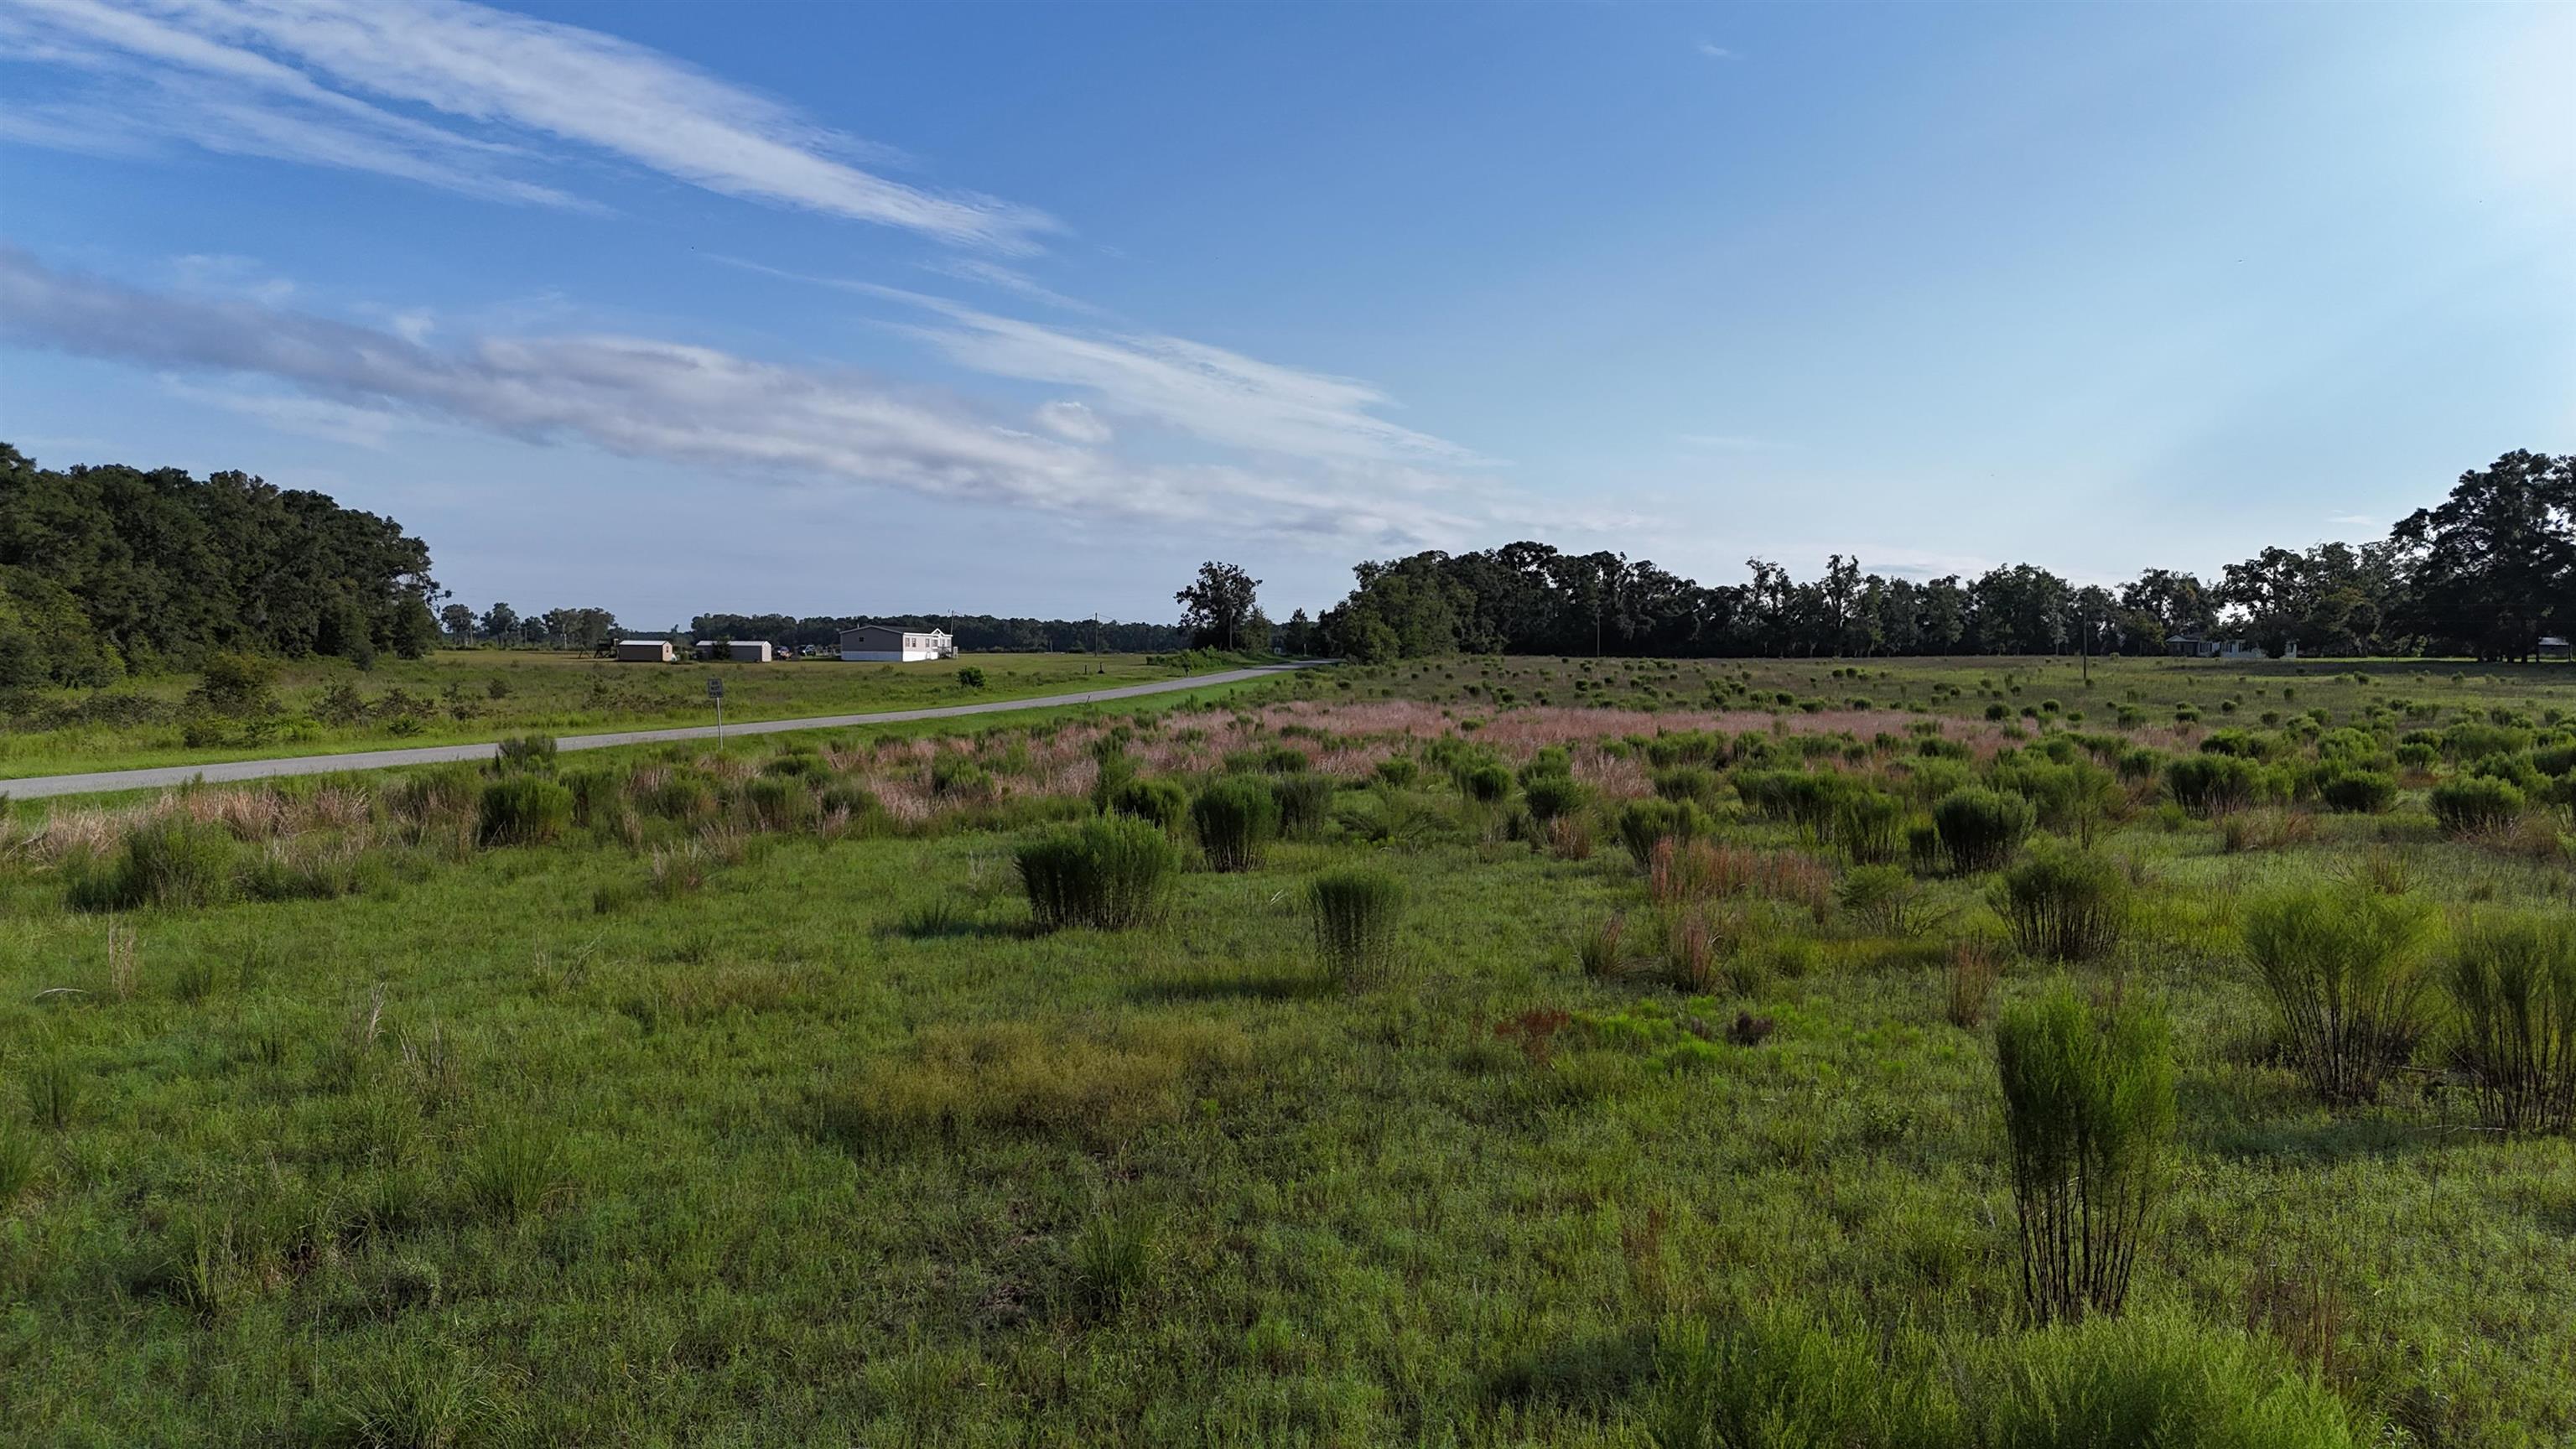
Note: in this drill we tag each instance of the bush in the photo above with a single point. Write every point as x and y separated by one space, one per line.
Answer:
167 861
1398 771
1162 803
781 804
1235 818
523 810
1108 874
1869 827
954 772
2064 905
971 677
1645 822
2358 792
1356 913
2212 784
527 752
1979 828
2088 1106
1486 782
2512 985
2342 973
1552 796
1305 803
2476 804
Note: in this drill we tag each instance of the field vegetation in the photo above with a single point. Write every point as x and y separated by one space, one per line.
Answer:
1463 1050
248 707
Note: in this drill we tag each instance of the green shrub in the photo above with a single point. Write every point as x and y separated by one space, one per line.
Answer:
1398 771
1642 823
1163 803
169 860
2342 972
2088 1107
1694 783
1979 828
2064 905
1305 803
2475 804
523 810
1357 911
1486 782
526 752
1235 818
2212 784
1869 827
2358 792
438 790
1552 796
971 677
2512 985
780 804
954 772
1109 873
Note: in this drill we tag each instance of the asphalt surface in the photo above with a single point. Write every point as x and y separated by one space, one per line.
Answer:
41 786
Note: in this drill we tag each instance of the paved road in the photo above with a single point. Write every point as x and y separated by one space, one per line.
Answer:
102 780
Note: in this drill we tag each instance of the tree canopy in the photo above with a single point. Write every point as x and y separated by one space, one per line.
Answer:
2489 573
110 570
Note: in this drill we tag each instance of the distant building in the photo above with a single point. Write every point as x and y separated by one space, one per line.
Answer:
645 651
740 651
2553 647
2192 646
887 644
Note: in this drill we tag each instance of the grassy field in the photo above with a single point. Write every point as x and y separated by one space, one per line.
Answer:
740 1099
461 696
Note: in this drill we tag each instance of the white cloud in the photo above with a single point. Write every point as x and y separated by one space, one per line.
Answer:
313 417
2353 520
993 274
1714 51
646 397
1073 422
248 76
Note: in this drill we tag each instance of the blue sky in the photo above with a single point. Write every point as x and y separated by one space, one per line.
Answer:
1028 309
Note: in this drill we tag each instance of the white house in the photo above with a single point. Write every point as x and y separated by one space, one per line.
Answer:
887 644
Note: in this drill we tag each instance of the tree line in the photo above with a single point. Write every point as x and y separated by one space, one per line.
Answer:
2488 572
977 632
109 571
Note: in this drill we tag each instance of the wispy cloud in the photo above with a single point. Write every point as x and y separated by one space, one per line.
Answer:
646 397
1714 51
2353 520
1002 278
291 79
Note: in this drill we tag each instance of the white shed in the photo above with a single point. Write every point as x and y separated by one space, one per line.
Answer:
643 651
884 643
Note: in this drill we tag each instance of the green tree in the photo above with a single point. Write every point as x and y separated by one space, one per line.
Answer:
1217 607
2493 567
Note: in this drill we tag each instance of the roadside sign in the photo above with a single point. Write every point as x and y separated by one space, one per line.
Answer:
715 689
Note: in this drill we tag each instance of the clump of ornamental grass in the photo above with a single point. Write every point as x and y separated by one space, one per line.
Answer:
2344 975
169 860
2477 804
2089 1108
1357 912
1305 803
2213 784
1869 827
1642 823
1980 829
1602 951
2512 986
1161 803
1235 817
525 752
1110 873
523 810
2064 905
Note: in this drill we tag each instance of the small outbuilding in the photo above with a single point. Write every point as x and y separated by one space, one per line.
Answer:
645 651
2554 648
884 643
2192 646
740 651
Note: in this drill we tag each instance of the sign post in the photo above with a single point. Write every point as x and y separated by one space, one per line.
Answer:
715 691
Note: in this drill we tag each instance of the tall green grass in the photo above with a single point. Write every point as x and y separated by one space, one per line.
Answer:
2512 988
1357 913
2343 971
1110 874
1235 817
2089 1108
2064 905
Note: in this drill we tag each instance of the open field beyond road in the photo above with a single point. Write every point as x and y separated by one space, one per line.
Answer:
476 696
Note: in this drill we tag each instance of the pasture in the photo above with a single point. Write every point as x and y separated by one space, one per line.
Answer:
1466 1051
458 696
